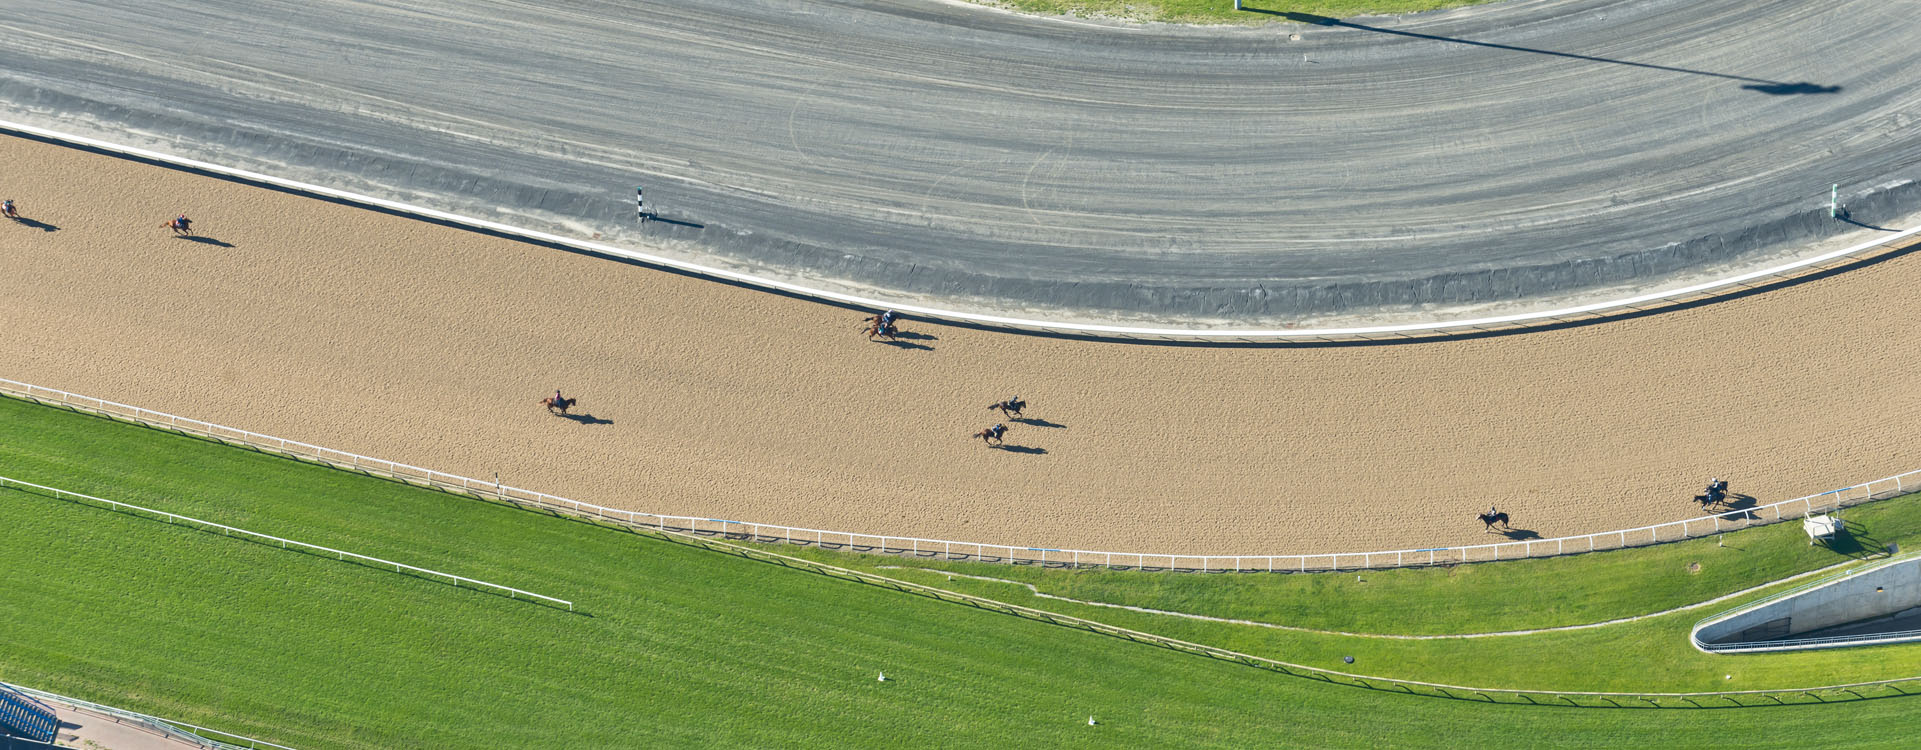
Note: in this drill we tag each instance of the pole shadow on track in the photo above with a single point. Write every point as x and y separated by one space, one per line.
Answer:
1762 85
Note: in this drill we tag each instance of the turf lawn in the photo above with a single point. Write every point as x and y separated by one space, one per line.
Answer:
1222 11
673 645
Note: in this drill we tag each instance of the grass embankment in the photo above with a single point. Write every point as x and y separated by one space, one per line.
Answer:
674 645
1479 598
1222 11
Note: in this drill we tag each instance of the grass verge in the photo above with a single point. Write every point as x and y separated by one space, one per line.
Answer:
674 645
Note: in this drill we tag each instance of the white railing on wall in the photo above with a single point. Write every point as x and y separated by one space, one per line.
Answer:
1638 303
178 730
996 553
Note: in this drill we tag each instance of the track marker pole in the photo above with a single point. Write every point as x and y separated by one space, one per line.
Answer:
1834 201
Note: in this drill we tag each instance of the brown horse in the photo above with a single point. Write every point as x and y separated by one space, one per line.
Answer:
9 211
881 326
1010 408
181 225
874 329
992 435
557 405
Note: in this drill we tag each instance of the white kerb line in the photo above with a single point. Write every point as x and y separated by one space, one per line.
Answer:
230 529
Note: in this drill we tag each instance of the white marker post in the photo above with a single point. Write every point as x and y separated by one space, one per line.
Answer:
640 204
1834 201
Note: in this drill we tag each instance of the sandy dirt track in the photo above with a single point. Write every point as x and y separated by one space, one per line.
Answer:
404 340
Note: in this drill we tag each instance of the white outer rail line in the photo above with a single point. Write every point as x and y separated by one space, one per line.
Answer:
1383 332
176 729
284 543
999 553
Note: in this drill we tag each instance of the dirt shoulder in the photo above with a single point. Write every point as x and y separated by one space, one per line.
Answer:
414 342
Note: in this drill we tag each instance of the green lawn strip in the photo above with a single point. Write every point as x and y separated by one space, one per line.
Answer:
1651 655
676 646
1477 598
1222 11
683 647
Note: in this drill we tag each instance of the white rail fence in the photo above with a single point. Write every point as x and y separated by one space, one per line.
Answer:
179 730
995 553
1638 303
511 592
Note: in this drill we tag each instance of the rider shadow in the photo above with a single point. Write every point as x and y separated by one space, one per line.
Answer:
40 225
1038 422
908 345
202 240
1520 534
912 336
1024 449
586 419
1738 505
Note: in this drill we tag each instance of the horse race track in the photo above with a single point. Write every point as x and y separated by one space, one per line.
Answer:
405 340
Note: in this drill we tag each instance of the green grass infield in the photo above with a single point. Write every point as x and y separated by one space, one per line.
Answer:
672 645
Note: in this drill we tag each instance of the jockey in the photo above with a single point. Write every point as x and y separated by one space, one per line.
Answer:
997 430
887 319
8 209
1490 511
557 398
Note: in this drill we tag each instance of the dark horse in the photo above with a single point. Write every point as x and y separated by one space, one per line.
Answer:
1009 408
992 435
1717 494
1492 518
557 405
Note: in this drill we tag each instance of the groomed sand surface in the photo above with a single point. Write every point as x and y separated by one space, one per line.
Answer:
418 343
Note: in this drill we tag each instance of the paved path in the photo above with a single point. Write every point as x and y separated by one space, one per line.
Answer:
991 160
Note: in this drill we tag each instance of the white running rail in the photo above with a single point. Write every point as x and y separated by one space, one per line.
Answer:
1637 303
996 553
284 543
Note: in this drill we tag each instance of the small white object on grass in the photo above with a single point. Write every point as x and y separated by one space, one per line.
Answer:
1090 721
883 677
1728 677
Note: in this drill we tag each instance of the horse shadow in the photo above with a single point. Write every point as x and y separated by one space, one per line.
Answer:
1038 422
912 336
1520 534
202 240
1023 449
1738 505
586 419
906 345
40 225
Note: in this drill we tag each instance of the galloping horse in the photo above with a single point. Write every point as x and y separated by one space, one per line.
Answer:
1717 494
557 405
181 225
881 325
8 210
1009 408
1491 517
992 435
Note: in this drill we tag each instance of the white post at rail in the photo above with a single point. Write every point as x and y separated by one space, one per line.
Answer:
1834 198
640 204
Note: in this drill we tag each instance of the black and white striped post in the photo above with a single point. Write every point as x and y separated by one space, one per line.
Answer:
640 204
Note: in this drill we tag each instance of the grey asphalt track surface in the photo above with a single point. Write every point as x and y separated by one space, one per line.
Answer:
989 161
